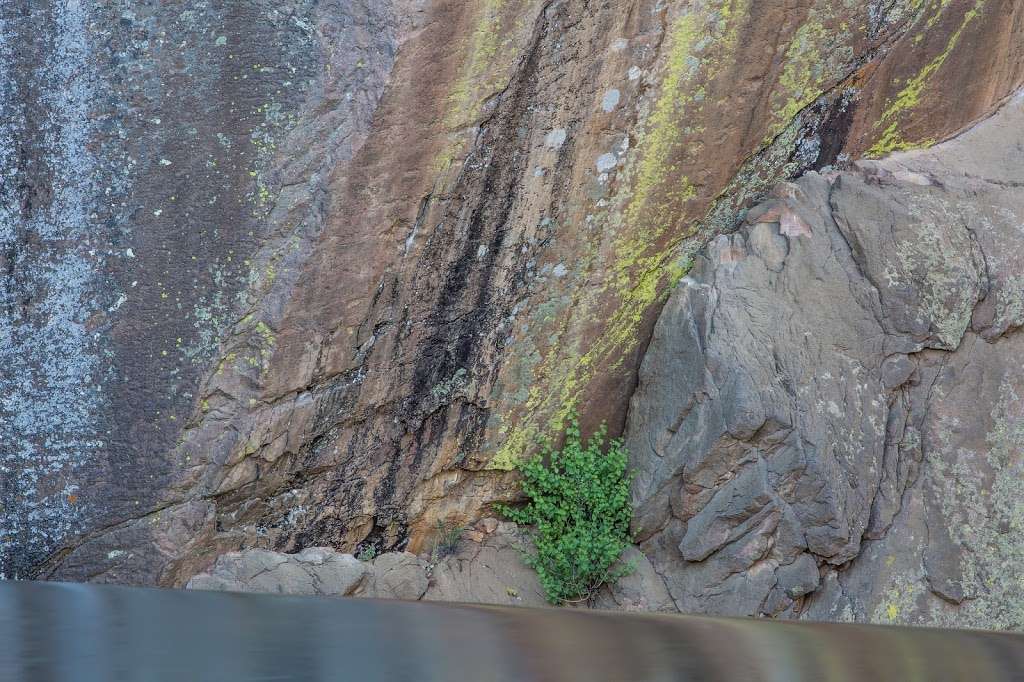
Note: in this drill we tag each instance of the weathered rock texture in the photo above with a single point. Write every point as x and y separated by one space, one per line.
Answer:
314 273
829 418
315 570
485 568
165 169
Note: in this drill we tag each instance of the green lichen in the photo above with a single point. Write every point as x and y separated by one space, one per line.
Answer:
940 266
984 514
447 388
1010 302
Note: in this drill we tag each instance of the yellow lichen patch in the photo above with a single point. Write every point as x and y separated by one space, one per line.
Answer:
488 52
561 385
265 333
899 601
661 141
938 6
801 78
909 97
483 46
646 223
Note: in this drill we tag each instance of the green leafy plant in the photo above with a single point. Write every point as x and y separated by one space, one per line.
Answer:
579 506
367 553
446 540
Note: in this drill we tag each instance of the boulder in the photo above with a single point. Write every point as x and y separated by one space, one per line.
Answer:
317 570
826 420
396 575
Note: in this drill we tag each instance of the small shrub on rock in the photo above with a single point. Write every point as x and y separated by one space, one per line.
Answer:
579 506
367 553
446 540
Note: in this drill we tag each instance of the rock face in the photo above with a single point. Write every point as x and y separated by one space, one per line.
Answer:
828 421
311 273
827 424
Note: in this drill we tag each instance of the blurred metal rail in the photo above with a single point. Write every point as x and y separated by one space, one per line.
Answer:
89 633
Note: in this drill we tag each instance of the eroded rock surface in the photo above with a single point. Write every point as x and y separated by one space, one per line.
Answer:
490 571
486 568
315 273
828 421
164 166
316 570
